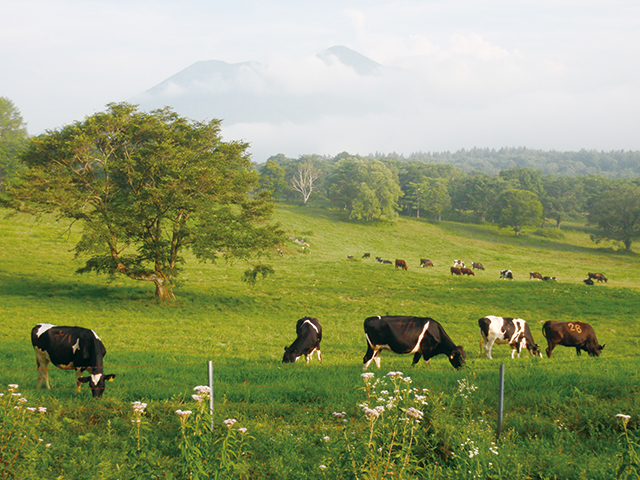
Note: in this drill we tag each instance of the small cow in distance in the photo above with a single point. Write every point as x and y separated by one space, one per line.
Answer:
506 274
425 262
402 264
456 271
477 266
309 335
513 331
420 336
366 255
535 276
70 348
458 263
555 279
571 334
467 271
597 276
588 281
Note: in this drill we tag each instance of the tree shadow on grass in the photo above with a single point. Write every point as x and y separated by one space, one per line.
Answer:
483 233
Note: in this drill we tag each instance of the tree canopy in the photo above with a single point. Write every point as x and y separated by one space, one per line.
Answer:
617 214
147 186
13 137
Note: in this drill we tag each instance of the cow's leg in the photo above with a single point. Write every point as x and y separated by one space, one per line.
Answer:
488 345
78 376
368 357
549 350
376 358
416 358
42 361
578 351
319 356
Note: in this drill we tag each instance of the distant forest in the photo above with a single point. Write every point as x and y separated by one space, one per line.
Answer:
614 164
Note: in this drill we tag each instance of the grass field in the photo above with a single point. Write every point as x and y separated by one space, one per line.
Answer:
560 413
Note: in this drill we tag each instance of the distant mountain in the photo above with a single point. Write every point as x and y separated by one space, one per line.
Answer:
361 64
255 92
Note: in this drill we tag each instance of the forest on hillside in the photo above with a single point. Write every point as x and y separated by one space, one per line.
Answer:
437 187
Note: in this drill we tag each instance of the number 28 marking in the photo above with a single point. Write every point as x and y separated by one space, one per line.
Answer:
575 328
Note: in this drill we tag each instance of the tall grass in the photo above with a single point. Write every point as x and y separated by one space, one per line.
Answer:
560 413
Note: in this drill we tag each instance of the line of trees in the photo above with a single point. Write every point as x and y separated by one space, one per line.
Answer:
383 187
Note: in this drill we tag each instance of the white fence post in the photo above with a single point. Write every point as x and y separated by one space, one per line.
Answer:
500 401
211 392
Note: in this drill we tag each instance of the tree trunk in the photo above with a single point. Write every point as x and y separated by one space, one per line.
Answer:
163 292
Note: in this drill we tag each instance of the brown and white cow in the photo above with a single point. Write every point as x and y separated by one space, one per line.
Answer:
506 274
513 331
535 276
70 348
597 276
402 264
425 262
477 266
571 334
420 336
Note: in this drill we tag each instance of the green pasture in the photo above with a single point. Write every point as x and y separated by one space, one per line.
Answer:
565 406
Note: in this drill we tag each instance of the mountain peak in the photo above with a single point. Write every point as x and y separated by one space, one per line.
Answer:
361 64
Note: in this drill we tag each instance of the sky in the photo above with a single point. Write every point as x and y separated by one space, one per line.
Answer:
551 75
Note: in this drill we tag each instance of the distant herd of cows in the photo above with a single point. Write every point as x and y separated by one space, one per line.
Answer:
459 268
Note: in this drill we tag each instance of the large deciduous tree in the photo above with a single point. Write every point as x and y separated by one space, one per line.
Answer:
146 187
517 208
617 214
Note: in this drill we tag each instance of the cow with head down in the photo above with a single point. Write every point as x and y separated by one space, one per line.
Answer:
418 336
308 338
70 348
571 334
506 330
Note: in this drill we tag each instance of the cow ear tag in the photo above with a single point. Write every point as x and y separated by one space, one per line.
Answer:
451 357
111 379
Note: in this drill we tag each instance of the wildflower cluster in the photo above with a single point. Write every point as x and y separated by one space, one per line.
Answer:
393 411
207 453
629 459
19 432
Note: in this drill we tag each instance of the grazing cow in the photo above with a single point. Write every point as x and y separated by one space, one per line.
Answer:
513 331
456 270
506 274
535 275
555 279
571 334
477 266
588 281
70 348
420 336
424 262
309 335
458 263
402 264
366 255
597 276
467 271
387 261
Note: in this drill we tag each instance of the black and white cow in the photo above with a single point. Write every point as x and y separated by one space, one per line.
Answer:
309 335
70 348
513 331
420 336
506 274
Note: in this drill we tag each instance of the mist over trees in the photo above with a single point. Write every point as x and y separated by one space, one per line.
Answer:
384 186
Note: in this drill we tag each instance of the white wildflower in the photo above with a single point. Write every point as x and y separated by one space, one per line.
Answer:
183 413
415 413
622 415
339 414
229 422
202 390
242 430
326 439
12 387
322 467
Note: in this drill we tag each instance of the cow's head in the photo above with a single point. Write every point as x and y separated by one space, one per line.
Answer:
97 382
457 357
598 349
534 349
289 355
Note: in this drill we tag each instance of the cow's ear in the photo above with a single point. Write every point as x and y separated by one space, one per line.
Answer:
84 379
110 377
